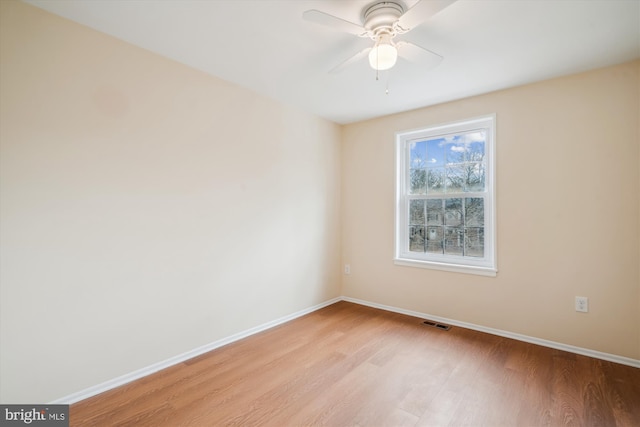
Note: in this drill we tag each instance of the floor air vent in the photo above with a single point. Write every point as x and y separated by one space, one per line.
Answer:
437 325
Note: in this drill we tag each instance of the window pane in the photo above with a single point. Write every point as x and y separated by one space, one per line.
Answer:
435 152
474 242
475 147
416 212
453 240
435 181
435 213
417 178
474 212
416 239
418 155
453 212
417 163
434 240
455 179
455 150
474 176
465 161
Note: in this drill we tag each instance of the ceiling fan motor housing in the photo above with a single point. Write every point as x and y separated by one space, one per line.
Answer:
380 17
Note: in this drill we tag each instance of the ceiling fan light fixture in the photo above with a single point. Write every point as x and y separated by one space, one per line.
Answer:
383 55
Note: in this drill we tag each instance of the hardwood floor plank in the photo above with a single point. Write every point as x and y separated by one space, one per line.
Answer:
400 418
427 380
617 387
441 409
350 365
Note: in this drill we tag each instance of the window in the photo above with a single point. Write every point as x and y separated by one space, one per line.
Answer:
445 215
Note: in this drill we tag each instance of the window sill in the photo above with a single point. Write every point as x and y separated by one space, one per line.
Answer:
467 269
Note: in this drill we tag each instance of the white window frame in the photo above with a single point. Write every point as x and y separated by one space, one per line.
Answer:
486 266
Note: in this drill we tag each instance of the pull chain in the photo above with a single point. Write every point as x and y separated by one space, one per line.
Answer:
386 90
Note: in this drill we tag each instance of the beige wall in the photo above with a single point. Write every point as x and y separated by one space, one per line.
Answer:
147 208
567 214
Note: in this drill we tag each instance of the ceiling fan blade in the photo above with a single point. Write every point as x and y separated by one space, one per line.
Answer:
355 58
418 54
334 22
422 11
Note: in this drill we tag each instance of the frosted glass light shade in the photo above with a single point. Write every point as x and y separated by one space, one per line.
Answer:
383 56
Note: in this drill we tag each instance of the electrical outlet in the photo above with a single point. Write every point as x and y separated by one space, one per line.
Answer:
582 304
347 269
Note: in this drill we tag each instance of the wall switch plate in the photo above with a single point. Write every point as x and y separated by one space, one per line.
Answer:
347 269
582 304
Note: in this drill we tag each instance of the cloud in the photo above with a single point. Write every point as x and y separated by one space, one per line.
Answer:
458 148
474 137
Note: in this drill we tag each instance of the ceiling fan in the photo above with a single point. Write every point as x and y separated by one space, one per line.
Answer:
382 21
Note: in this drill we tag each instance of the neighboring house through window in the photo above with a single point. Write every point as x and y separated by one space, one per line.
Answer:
445 213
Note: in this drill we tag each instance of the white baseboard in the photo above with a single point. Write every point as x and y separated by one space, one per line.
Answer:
132 376
546 343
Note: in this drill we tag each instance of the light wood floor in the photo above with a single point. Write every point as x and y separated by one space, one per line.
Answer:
349 365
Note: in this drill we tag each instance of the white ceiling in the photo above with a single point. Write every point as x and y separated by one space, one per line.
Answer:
266 46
